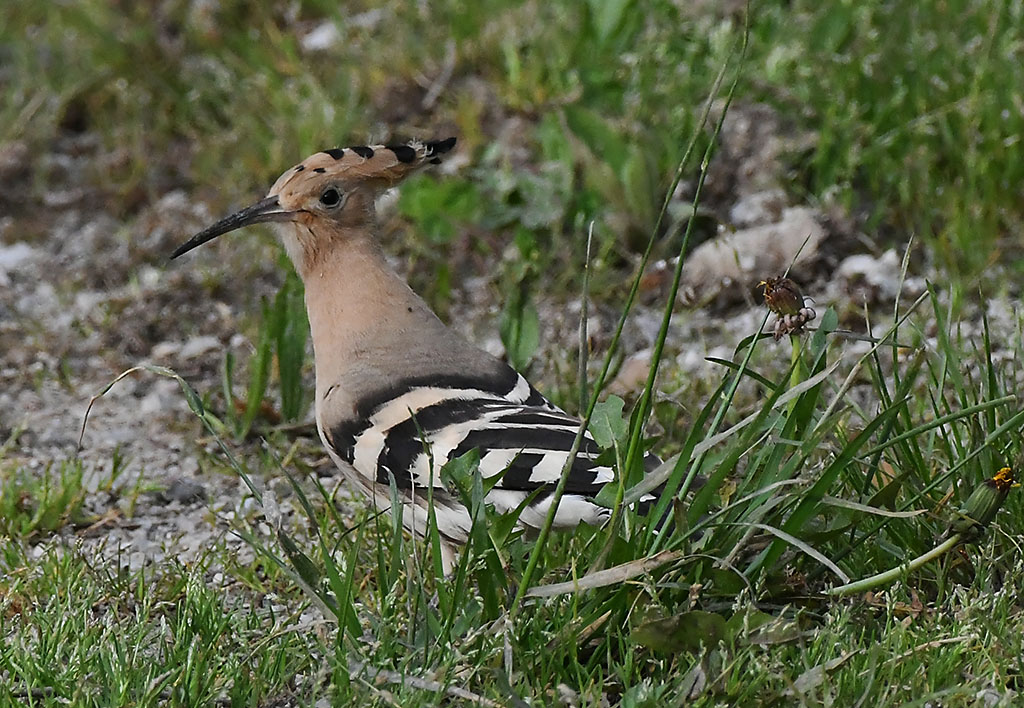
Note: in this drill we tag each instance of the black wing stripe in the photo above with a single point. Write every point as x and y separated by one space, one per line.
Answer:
536 398
405 442
396 458
519 477
539 416
519 438
518 474
502 383
651 462
342 439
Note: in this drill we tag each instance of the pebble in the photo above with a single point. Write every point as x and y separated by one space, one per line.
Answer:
15 255
198 346
870 279
728 266
184 491
322 37
165 396
764 207
632 374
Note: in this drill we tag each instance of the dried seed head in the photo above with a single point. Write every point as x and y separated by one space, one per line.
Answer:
782 296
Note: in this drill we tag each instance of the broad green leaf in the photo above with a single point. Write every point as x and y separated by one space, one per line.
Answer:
607 424
457 473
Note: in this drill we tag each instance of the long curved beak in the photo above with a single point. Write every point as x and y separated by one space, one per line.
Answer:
261 211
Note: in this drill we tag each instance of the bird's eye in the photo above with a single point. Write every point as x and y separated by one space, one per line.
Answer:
330 197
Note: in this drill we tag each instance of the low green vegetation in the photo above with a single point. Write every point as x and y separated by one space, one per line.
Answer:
282 340
36 502
80 631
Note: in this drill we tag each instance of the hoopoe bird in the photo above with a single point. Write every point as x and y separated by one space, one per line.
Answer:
399 393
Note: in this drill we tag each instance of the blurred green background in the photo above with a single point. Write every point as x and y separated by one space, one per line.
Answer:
566 112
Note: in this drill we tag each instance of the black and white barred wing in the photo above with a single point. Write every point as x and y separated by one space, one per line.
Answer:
409 433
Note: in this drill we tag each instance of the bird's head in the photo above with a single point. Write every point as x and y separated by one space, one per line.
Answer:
329 195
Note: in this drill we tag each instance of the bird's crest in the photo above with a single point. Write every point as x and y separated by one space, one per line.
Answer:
378 165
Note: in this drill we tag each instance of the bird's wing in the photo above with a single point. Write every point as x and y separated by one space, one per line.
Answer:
408 433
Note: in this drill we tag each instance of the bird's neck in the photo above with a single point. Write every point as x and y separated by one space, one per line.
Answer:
360 311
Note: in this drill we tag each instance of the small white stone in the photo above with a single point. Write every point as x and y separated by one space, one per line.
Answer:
165 350
15 255
197 346
321 38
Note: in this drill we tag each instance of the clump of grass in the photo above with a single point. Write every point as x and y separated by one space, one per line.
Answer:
75 634
282 338
39 502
